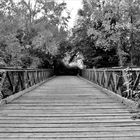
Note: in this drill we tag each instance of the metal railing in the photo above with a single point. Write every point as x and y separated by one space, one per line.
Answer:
15 80
124 82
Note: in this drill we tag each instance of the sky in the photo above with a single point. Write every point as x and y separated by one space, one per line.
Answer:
73 6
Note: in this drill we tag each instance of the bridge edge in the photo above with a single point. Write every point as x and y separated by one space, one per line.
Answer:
19 94
132 105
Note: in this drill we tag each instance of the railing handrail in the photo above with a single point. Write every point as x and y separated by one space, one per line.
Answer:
116 69
23 69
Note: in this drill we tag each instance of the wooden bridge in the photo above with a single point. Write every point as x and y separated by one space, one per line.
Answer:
64 108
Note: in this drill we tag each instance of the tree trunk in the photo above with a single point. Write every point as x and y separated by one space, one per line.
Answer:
131 40
119 53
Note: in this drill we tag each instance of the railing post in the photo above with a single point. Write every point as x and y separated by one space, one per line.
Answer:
2 78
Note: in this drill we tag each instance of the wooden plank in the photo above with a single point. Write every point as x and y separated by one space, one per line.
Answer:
77 110
67 103
69 118
67 125
72 134
56 114
40 106
59 121
68 130
72 138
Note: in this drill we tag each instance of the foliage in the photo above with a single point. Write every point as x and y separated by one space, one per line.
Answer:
30 32
107 32
65 47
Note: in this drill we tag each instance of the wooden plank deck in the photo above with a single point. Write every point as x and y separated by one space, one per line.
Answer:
67 108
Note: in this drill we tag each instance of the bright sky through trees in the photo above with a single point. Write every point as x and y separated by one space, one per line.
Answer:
72 6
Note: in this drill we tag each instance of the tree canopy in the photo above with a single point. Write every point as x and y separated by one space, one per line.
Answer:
30 32
107 32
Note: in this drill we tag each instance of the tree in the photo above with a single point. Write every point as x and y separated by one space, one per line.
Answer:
110 26
26 27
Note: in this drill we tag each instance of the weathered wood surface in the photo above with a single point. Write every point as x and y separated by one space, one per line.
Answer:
67 108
